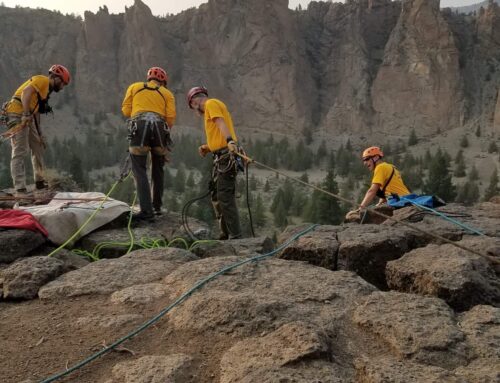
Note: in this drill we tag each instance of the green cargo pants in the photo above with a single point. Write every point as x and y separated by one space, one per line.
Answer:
224 197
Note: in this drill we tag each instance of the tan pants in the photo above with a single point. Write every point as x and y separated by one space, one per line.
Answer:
22 143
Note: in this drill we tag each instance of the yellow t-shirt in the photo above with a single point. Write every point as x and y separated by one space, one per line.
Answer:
149 100
41 85
215 139
382 174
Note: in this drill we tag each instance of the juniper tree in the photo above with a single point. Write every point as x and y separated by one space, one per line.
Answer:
439 179
459 170
412 140
329 209
492 189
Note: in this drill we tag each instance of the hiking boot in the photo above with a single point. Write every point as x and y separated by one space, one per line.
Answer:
159 211
22 193
41 185
143 216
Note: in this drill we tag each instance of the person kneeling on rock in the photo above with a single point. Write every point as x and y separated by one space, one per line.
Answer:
386 181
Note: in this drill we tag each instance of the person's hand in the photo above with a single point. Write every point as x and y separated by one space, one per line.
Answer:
231 146
43 142
203 150
26 119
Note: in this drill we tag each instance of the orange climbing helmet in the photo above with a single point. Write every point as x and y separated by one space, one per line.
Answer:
62 72
157 73
372 151
194 92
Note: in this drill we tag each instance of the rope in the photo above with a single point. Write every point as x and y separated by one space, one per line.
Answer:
353 203
458 223
177 302
248 201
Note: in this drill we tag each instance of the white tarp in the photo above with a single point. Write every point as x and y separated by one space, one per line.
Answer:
63 215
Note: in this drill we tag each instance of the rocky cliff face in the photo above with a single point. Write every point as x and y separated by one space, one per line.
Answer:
362 69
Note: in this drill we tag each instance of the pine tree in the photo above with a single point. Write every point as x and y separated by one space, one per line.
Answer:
280 215
464 142
439 179
459 164
468 193
252 183
75 169
473 174
478 131
304 177
190 180
492 189
492 148
259 213
180 180
329 210
412 140
267 187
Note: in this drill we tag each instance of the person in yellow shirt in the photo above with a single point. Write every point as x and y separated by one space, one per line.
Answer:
222 143
150 107
386 179
23 110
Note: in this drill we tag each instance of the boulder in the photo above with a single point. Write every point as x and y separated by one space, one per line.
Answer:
481 325
23 278
366 249
16 244
176 368
110 275
482 370
139 294
318 247
421 329
260 296
389 370
245 247
460 278
107 321
288 345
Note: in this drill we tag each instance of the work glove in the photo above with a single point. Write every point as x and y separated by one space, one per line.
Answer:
231 146
203 150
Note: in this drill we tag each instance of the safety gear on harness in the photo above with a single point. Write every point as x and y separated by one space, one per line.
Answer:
157 73
372 151
193 92
61 72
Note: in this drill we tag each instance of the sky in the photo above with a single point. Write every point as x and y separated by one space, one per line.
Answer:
158 7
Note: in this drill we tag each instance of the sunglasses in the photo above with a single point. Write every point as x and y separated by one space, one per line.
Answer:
367 159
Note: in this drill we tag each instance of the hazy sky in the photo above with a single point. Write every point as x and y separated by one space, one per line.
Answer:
158 7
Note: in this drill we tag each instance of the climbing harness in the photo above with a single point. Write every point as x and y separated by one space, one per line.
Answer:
177 302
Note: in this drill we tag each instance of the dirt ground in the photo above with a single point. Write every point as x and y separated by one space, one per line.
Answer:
39 339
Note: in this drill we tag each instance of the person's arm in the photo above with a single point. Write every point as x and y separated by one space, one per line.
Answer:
369 196
221 124
26 97
127 102
171 113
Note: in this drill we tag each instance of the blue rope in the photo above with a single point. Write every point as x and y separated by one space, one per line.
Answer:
471 229
178 301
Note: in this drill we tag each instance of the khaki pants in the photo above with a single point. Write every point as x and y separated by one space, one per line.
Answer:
23 142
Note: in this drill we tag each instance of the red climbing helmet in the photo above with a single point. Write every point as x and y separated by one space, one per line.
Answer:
372 151
195 91
157 73
61 72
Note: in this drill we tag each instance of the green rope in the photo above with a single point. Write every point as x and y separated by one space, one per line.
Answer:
177 302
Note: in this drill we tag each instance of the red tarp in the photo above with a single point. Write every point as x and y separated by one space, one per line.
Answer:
19 219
